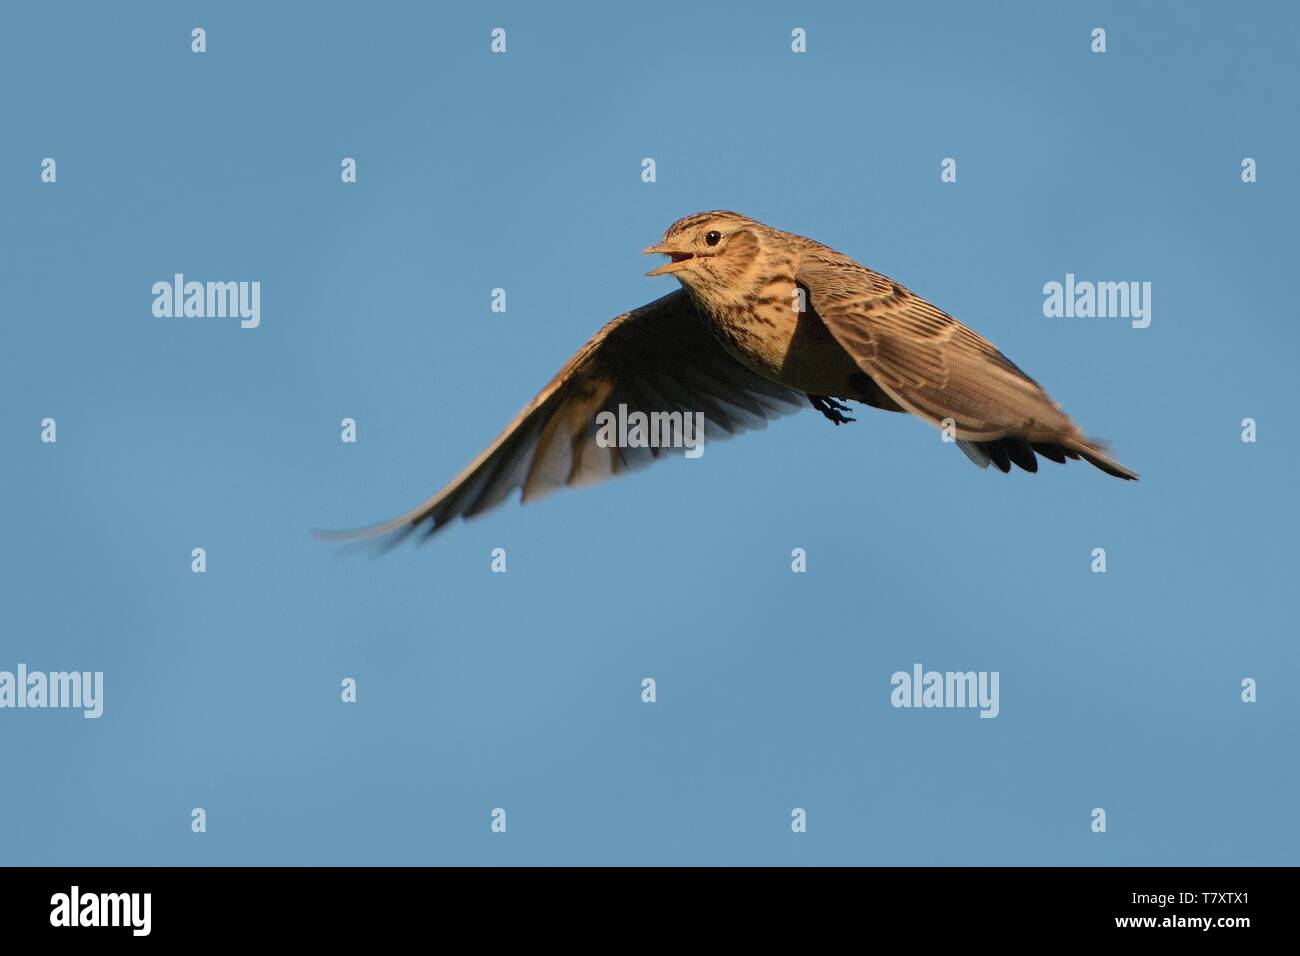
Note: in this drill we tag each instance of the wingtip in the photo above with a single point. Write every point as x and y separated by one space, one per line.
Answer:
354 535
1093 453
1002 453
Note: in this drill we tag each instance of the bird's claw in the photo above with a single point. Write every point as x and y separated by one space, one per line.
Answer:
831 408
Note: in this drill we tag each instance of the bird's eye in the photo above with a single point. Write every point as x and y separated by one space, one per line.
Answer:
713 238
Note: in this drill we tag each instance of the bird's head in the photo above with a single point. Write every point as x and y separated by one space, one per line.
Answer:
709 250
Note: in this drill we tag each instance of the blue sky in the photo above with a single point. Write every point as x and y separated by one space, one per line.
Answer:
522 690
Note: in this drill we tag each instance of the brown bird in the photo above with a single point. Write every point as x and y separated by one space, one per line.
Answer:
767 323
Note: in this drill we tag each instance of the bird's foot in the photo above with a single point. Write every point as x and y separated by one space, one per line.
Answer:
831 408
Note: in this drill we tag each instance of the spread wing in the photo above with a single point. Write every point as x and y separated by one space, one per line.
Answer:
938 369
658 358
926 360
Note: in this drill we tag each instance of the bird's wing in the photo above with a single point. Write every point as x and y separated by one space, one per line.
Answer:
926 360
658 358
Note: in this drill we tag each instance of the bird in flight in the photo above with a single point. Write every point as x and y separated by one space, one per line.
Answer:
766 322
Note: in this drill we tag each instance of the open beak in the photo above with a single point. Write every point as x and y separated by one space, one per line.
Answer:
676 258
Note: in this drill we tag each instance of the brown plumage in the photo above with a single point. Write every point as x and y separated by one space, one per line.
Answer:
767 323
